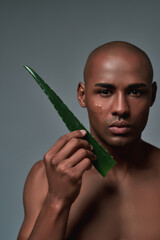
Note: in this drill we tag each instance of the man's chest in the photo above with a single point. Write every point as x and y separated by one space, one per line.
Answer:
131 212
140 211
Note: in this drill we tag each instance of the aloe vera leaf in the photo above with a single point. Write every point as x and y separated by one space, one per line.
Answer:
104 161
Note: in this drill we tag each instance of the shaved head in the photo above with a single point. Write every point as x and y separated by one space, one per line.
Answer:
118 87
115 49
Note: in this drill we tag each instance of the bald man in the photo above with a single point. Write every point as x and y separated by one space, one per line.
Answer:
64 196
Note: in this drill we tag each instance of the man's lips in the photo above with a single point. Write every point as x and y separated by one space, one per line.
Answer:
119 127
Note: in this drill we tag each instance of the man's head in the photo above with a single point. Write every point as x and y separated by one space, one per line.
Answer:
118 92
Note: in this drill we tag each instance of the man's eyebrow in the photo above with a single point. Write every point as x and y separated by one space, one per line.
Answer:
131 86
104 85
137 85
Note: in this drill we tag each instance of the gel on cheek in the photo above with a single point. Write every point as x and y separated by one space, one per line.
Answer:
97 107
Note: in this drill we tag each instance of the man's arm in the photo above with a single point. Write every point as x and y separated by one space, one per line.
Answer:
46 216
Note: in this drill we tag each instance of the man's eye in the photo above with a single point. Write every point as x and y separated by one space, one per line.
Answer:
135 92
105 92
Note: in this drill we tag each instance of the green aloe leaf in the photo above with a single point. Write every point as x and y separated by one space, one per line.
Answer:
104 161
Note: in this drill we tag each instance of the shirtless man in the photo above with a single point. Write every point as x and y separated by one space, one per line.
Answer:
64 196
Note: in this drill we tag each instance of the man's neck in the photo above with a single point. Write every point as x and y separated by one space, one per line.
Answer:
127 154
129 158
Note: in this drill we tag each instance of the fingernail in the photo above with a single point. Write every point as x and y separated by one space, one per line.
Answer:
83 132
91 147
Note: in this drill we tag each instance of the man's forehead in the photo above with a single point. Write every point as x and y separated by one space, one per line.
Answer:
110 64
116 55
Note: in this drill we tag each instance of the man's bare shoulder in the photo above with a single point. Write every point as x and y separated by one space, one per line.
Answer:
36 184
152 154
153 151
34 194
37 174
37 171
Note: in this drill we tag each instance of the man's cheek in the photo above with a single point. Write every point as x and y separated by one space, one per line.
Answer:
96 107
141 121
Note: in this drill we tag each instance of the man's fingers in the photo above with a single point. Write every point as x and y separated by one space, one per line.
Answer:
62 141
81 167
71 147
78 156
70 152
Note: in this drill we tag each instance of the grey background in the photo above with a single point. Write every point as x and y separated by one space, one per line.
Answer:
55 38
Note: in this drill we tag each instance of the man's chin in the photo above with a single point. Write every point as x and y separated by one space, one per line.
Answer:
119 142
116 141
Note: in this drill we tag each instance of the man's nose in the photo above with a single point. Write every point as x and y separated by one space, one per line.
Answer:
120 106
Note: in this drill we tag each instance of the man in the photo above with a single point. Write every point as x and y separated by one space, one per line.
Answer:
64 196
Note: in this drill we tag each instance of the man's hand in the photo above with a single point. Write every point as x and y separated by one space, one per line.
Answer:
65 164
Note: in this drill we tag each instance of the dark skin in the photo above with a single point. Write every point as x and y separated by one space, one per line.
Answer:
64 196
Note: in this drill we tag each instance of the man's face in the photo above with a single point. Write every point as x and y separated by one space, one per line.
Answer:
118 95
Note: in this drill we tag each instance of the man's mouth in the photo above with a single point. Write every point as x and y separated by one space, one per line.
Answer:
119 127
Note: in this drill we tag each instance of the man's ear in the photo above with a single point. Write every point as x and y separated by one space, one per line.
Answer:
81 94
154 90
